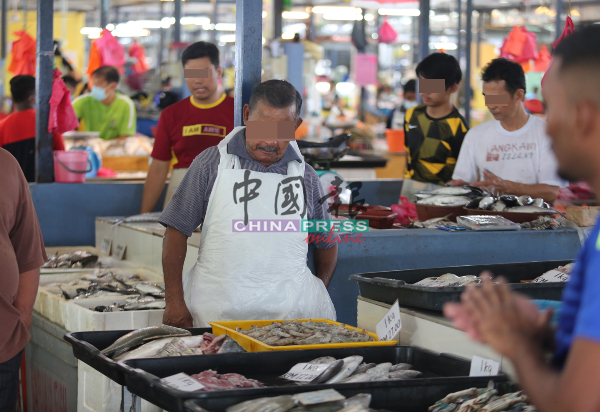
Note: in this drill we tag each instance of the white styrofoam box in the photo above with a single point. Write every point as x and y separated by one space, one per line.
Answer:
81 316
97 393
50 304
105 261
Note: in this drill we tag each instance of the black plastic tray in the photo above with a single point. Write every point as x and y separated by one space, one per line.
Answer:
442 374
87 347
392 285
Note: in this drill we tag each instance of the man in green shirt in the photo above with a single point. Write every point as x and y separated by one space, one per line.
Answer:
104 110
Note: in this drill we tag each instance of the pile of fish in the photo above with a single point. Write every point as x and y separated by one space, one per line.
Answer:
449 279
143 218
138 302
74 260
449 196
304 333
289 403
511 203
165 341
483 400
212 381
543 223
352 369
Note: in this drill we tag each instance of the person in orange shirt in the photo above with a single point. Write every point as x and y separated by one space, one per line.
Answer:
17 131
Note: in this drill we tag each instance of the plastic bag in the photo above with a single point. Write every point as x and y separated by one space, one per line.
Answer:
529 50
23 55
515 41
95 60
568 30
406 211
543 60
110 50
141 65
387 34
62 115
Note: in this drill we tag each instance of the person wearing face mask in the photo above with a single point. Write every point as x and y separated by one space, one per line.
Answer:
187 128
256 175
511 154
434 131
105 110
409 100
17 131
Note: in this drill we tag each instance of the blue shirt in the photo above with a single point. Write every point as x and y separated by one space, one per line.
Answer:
580 312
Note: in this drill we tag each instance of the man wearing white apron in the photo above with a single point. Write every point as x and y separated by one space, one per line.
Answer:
232 190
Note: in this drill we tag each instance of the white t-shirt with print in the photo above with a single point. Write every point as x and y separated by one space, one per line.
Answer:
523 156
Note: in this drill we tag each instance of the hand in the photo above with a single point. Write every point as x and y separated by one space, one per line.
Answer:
499 318
457 183
178 315
495 184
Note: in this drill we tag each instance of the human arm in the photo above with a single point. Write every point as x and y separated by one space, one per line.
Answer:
325 263
155 182
173 257
500 186
466 170
129 127
26 294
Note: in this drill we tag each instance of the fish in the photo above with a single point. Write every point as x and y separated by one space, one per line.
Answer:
148 287
325 360
486 202
350 365
445 200
147 350
498 206
231 346
379 372
277 404
332 370
504 402
510 200
78 259
524 200
140 336
530 209
400 367
402 375
143 218
538 202
363 367
449 191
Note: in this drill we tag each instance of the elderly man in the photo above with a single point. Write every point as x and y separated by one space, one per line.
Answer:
235 190
509 323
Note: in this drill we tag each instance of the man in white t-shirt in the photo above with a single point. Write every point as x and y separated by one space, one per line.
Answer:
511 154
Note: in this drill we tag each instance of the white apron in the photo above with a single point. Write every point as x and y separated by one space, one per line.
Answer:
252 275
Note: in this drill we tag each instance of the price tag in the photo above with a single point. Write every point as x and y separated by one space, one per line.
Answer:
120 251
327 395
305 372
390 324
484 367
552 276
183 382
105 246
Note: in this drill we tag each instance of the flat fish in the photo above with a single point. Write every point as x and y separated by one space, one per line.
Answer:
140 336
530 209
450 191
445 200
350 365
147 350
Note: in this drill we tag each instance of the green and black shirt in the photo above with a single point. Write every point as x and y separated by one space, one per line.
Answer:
432 145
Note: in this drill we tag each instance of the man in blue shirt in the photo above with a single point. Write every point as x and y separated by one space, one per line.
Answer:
509 323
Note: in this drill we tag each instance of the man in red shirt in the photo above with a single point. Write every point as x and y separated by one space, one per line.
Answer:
17 131
187 128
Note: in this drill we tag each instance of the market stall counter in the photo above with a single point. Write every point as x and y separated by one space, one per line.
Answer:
378 250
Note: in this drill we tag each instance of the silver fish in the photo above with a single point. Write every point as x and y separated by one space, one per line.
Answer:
145 304
148 287
402 375
324 360
538 202
140 336
498 206
530 209
350 365
277 404
486 202
231 346
524 200
450 191
332 370
147 350
400 367
444 200
363 367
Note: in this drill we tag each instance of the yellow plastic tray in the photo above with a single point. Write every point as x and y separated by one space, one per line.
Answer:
253 345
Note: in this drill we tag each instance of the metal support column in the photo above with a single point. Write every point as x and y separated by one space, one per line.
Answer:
558 21
479 36
469 40
44 171
161 41
459 34
104 13
215 17
424 29
248 52
3 31
278 19
177 25
311 26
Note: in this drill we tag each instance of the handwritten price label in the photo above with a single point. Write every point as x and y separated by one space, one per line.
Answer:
304 372
183 382
484 367
105 246
390 324
120 251
552 276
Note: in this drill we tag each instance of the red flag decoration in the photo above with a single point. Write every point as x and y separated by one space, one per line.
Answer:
542 62
568 30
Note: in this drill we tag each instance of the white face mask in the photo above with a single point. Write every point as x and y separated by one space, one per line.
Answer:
409 105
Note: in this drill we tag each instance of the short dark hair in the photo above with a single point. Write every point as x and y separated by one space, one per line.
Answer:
410 86
109 73
199 50
440 66
503 69
70 80
278 94
22 87
580 49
